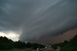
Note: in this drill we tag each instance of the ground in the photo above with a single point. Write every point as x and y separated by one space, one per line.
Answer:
28 49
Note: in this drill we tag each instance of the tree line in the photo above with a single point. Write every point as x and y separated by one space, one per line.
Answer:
67 45
6 43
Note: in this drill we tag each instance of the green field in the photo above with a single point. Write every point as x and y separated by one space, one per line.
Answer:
11 50
53 49
28 49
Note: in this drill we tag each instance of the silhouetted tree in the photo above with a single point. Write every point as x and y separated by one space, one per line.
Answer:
6 43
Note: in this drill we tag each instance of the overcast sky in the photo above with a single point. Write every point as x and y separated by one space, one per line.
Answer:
31 20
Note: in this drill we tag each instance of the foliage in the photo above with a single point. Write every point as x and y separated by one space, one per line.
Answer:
71 46
6 43
68 45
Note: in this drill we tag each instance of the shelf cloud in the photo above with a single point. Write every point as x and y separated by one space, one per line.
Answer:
33 19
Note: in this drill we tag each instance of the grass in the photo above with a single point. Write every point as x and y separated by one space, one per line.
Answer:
28 49
53 49
11 50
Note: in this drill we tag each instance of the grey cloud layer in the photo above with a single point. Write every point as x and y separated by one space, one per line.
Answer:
38 18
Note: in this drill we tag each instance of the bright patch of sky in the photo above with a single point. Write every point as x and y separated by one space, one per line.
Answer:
13 36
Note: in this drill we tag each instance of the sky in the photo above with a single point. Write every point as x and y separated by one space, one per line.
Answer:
33 20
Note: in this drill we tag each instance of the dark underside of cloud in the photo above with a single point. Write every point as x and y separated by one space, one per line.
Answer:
37 18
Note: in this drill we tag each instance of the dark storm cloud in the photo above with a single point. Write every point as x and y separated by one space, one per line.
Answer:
38 18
